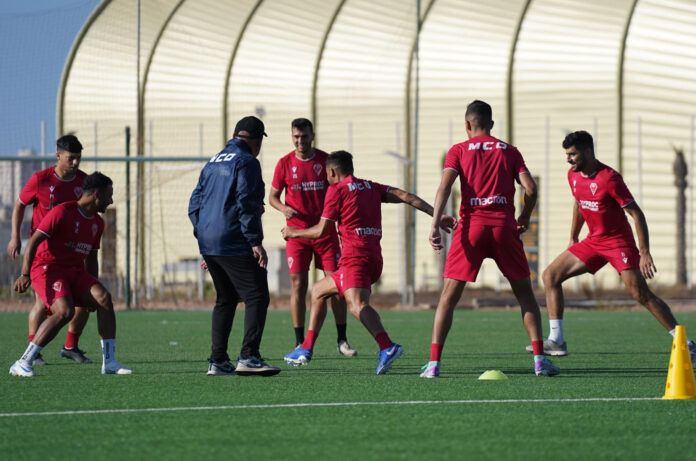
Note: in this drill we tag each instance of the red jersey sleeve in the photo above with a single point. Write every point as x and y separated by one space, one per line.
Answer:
452 159
278 182
50 221
28 196
520 166
619 191
382 189
332 204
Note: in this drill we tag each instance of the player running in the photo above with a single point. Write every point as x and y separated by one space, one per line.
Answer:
66 241
487 168
302 174
45 190
356 205
601 198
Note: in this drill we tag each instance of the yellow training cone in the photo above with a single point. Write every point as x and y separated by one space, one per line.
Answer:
493 375
680 376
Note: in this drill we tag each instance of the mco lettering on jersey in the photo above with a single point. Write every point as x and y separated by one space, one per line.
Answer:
488 145
368 231
483 201
359 186
589 205
312 185
222 157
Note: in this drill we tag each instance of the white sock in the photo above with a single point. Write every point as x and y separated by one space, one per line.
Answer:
31 353
556 330
108 350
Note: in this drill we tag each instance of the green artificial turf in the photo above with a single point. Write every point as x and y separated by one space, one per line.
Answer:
613 354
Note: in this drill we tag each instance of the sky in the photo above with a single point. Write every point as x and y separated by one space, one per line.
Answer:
35 40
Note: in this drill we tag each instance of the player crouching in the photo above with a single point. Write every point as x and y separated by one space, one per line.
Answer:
65 244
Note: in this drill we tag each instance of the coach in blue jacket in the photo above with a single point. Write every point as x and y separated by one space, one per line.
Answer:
225 209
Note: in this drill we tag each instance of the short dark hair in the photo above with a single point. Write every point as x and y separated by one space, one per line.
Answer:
481 112
69 143
252 125
580 139
95 182
302 124
341 160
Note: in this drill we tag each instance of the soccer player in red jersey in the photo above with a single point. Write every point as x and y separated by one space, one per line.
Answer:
302 174
487 169
66 241
602 200
356 205
45 190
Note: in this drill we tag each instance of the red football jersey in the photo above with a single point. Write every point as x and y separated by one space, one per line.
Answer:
45 190
71 236
601 198
356 205
488 169
305 186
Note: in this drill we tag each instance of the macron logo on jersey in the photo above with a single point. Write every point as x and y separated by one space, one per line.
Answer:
359 186
361 231
488 145
483 201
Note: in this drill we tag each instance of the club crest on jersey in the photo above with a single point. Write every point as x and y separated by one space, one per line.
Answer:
57 286
290 261
574 183
77 226
51 188
593 187
95 228
317 169
623 257
78 192
294 169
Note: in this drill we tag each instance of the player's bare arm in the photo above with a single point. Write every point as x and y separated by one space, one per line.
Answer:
23 281
443 193
530 198
396 195
647 266
576 224
274 199
317 231
15 245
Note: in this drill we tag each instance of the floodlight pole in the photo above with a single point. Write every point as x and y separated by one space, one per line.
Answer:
128 274
414 166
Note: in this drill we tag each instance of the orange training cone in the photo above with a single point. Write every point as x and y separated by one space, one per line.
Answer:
680 376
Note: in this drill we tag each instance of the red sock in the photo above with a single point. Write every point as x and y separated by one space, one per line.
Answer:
72 340
309 340
31 338
383 340
435 352
538 347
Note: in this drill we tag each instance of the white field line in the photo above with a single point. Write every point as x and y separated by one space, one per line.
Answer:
320 404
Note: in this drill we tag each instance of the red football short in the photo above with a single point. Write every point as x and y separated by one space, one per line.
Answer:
472 243
326 251
53 282
357 272
595 255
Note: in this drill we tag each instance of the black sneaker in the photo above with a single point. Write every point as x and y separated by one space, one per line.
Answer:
74 354
220 368
39 361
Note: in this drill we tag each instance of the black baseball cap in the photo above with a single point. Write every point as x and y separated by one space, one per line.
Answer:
251 125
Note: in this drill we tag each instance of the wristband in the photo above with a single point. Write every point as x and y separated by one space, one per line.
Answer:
24 275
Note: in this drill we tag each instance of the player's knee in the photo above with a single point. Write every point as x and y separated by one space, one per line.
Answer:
356 307
104 300
63 313
641 294
550 278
